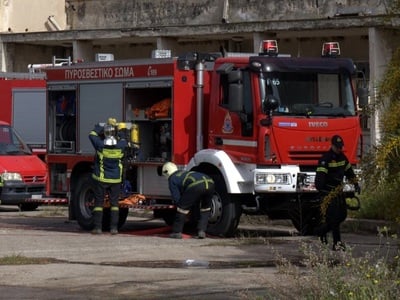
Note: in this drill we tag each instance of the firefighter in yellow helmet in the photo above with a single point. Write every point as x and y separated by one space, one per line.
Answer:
107 171
189 189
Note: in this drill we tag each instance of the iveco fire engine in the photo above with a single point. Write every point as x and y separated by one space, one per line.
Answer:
256 123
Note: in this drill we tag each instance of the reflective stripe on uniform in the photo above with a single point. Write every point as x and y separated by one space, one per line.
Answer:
322 169
182 211
205 209
109 154
195 182
98 208
336 164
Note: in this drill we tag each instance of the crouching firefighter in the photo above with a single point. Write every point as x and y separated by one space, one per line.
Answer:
107 172
189 190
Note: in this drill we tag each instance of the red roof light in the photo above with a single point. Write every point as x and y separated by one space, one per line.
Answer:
331 49
269 47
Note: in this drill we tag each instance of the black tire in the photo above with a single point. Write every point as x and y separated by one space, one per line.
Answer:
225 211
83 204
28 206
305 218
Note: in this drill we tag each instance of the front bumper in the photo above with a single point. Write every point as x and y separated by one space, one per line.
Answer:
17 192
288 179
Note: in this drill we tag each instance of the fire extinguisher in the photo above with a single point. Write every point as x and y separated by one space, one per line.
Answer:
135 135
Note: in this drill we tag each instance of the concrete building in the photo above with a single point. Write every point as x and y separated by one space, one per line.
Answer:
35 31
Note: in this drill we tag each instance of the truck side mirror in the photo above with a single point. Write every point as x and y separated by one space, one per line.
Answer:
235 91
362 93
270 103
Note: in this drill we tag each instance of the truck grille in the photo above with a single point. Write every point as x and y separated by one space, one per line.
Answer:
30 189
34 179
305 155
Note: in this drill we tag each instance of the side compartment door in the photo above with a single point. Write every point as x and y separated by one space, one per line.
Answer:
29 115
97 103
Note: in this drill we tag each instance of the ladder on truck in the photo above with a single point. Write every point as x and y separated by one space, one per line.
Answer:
56 62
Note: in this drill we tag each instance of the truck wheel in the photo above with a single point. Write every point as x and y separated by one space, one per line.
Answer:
225 212
305 220
84 203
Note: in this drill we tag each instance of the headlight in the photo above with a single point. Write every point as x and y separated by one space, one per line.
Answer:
268 178
11 177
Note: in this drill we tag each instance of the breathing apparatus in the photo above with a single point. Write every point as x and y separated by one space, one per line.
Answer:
110 132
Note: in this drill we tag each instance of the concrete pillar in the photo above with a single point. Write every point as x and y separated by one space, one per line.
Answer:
2 58
165 43
380 53
82 50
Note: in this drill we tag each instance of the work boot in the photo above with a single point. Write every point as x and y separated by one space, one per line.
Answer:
324 239
202 224
96 231
114 231
114 217
177 227
176 235
97 220
339 246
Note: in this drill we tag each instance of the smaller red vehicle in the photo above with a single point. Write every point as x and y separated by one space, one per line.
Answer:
23 175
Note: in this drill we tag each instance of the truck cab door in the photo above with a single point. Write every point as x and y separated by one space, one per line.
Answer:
232 116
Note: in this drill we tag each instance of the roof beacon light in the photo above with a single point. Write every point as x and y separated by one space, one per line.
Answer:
331 49
269 47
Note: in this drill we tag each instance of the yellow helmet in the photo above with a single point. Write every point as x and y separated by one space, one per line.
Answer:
168 169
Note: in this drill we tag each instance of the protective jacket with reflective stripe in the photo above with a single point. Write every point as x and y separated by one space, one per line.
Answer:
180 181
332 167
108 165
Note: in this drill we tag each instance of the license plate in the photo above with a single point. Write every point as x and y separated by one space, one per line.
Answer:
36 196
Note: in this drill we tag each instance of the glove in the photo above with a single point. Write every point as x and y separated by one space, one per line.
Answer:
98 129
112 121
357 188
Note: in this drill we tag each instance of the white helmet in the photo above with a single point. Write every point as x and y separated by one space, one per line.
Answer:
168 169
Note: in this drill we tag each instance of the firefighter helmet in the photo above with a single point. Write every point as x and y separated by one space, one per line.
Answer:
169 168
109 135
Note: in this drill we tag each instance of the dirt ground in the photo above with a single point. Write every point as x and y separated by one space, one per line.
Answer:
141 262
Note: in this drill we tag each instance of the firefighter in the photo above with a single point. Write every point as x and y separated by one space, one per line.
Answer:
332 167
107 171
189 190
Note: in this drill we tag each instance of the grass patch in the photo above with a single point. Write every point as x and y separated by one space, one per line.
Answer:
341 275
17 259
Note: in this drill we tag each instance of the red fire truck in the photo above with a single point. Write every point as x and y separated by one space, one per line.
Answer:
23 105
256 123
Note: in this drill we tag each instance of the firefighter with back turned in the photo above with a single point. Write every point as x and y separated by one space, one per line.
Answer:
107 171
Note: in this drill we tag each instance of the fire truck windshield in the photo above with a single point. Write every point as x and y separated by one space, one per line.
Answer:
320 94
11 143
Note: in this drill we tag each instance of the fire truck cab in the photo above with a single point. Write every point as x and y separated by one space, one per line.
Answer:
257 124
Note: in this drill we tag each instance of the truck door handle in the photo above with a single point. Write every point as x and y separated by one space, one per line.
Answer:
218 141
